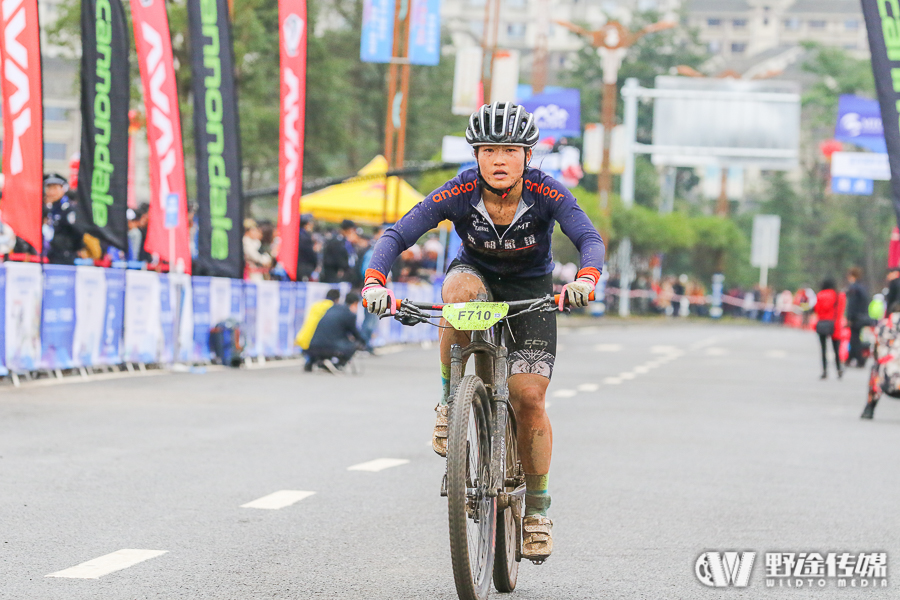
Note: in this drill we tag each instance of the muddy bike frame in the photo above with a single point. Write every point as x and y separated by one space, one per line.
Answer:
488 344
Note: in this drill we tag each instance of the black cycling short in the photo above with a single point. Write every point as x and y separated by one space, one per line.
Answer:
531 338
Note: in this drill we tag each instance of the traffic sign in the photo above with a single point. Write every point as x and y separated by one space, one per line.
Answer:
766 230
856 186
863 165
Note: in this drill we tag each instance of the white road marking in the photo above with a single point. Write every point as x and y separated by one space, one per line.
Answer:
627 375
589 330
564 393
608 347
640 370
588 387
654 363
612 381
547 405
716 351
776 354
109 563
379 464
279 499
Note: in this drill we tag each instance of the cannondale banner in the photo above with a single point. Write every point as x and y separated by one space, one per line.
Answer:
167 185
217 141
105 87
292 25
23 119
883 25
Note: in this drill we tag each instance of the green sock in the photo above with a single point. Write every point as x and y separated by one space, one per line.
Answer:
445 384
537 498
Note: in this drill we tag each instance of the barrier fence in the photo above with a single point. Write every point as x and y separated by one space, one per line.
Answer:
56 317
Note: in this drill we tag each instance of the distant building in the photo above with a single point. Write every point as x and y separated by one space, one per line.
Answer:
747 28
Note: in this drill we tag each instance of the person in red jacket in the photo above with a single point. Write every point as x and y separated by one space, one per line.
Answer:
830 309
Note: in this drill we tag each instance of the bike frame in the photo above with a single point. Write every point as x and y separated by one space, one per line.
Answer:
488 343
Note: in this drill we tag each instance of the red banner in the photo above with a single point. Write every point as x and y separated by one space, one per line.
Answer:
292 25
168 228
23 119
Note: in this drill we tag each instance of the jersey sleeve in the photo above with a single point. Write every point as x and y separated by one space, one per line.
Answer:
578 227
439 205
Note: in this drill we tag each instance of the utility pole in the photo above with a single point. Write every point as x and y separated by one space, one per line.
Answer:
539 65
612 42
395 125
489 45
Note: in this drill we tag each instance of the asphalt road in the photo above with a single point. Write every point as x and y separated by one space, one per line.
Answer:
670 440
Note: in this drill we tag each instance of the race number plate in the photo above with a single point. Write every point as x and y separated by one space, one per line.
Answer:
474 316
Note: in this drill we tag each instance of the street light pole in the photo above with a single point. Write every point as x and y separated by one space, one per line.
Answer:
612 42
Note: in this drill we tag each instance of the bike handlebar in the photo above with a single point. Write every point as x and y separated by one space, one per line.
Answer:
512 305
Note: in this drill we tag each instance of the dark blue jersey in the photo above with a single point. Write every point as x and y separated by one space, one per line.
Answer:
521 250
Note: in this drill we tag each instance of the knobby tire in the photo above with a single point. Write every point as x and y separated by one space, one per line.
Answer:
468 450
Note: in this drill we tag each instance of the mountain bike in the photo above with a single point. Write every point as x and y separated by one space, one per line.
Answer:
484 482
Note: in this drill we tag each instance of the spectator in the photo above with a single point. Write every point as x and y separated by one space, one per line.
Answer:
307 259
877 308
829 306
857 315
269 242
339 255
337 339
195 229
316 312
66 225
410 262
893 294
143 213
256 262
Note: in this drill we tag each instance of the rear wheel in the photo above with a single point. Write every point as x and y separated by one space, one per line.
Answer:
471 510
506 567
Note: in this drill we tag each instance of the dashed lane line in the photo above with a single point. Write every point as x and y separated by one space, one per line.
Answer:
612 380
564 393
588 387
109 563
627 375
279 499
379 464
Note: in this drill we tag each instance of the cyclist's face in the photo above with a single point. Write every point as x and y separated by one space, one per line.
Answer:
501 166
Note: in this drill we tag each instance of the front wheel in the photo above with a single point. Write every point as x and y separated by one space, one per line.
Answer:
472 512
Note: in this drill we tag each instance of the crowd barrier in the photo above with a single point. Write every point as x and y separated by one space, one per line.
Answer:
56 317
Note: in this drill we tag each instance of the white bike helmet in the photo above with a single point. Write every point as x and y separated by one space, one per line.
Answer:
502 123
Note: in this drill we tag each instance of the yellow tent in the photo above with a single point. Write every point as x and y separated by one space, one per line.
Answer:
363 200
